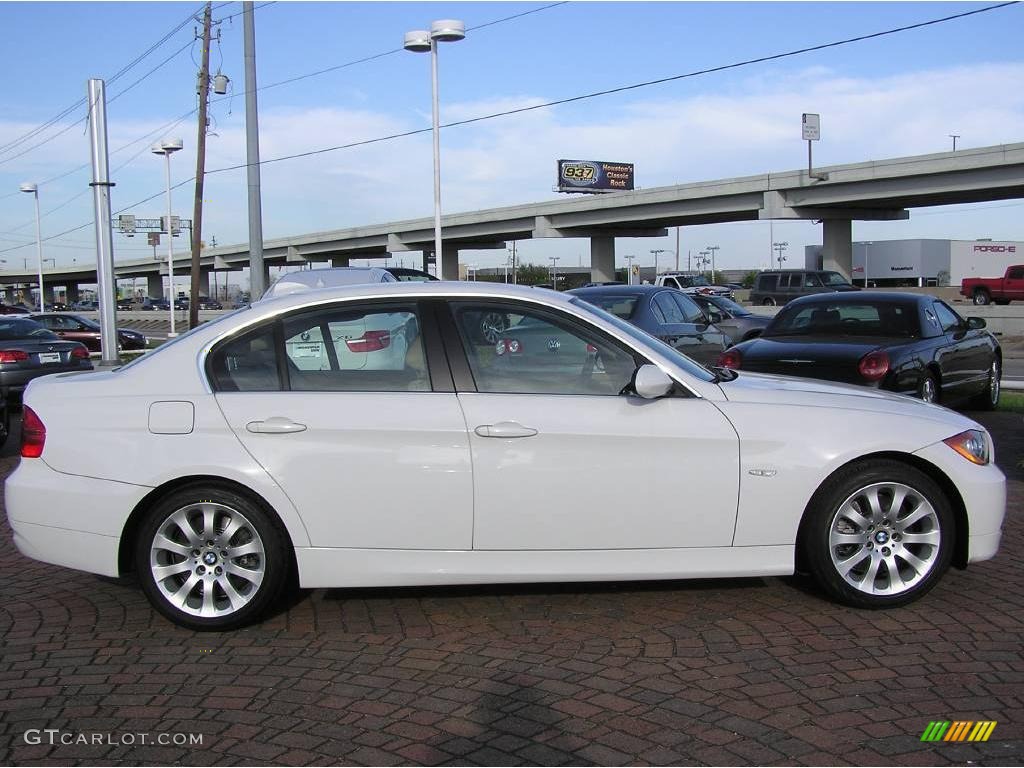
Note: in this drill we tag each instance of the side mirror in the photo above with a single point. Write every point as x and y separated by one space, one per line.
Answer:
650 382
976 323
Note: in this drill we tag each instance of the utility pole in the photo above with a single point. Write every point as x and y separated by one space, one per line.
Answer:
197 208
656 251
780 248
257 271
554 271
954 137
677 249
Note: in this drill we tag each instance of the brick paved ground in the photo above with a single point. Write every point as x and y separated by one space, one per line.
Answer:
755 671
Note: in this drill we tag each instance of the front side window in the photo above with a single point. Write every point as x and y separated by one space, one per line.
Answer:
540 353
812 280
833 279
1016 273
355 350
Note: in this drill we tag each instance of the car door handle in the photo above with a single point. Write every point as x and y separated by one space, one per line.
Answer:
505 429
276 425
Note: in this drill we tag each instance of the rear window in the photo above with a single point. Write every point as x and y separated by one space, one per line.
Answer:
846 319
618 305
23 329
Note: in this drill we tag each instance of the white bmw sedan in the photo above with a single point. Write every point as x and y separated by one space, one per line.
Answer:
278 440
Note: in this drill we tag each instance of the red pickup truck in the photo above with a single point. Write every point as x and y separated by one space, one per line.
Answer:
1001 290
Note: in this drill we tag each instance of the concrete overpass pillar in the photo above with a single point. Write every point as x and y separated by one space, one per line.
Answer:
154 286
449 262
837 246
204 282
71 293
340 261
47 293
602 259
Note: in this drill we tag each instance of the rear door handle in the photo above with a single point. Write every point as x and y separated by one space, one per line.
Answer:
276 425
505 429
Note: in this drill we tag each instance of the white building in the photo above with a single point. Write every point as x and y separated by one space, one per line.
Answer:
894 263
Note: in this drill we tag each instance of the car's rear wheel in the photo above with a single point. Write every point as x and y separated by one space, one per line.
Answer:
878 534
981 297
988 399
209 558
769 302
928 388
5 423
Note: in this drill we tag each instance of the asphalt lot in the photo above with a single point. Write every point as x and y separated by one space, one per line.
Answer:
737 672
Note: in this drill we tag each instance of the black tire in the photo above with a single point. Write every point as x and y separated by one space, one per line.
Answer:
5 423
769 302
256 533
981 297
988 399
928 388
1001 302
882 544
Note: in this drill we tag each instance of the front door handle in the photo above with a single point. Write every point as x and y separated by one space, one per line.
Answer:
505 429
276 425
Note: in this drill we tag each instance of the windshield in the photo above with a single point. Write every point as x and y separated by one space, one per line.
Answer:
823 318
23 329
833 278
682 361
696 280
92 325
730 306
616 303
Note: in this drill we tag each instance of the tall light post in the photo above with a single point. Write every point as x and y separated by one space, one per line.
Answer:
421 41
168 147
954 137
554 271
629 268
656 251
780 248
712 249
33 189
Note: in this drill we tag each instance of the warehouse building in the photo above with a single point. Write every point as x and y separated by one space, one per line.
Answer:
924 262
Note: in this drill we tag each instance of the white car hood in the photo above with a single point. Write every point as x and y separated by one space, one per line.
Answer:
790 390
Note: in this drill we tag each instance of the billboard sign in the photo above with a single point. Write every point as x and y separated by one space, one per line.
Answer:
594 176
811 126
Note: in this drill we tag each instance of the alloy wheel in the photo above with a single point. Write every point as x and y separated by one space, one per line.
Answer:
884 539
207 560
928 390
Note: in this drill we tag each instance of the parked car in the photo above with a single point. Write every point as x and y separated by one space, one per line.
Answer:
208 303
408 275
329 277
86 305
154 305
81 329
692 282
1001 290
27 351
775 287
218 472
126 305
734 320
665 313
13 309
909 343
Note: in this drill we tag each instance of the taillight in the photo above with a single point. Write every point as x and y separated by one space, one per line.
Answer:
874 365
371 341
12 355
80 352
731 358
33 434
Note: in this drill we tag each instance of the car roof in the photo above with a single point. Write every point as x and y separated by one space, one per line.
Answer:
864 297
618 290
311 279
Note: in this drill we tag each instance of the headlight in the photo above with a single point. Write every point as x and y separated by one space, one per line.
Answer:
973 445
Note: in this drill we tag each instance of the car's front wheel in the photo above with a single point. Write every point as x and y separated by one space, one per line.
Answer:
988 399
769 302
209 558
878 534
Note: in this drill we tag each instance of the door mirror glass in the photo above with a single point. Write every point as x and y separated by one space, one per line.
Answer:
976 323
650 382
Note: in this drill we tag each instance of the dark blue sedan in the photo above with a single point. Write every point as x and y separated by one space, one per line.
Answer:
665 313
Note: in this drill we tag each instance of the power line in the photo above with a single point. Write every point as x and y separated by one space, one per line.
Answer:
582 97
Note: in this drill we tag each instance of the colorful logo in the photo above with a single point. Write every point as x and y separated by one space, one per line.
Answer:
958 730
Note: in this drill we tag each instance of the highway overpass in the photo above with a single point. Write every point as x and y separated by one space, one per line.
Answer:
835 195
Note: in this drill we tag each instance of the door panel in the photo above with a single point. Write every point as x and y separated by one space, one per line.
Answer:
387 469
602 473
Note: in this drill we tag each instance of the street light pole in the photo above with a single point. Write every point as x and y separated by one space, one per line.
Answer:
712 249
656 251
554 271
421 41
33 189
629 268
167 148
780 247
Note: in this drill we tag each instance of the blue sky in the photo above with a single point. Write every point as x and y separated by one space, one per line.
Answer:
887 97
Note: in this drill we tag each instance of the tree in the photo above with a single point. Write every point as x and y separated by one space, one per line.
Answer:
532 274
750 278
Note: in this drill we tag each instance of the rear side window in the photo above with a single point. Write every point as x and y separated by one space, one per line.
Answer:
691 312
767 282
247 363
669 309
